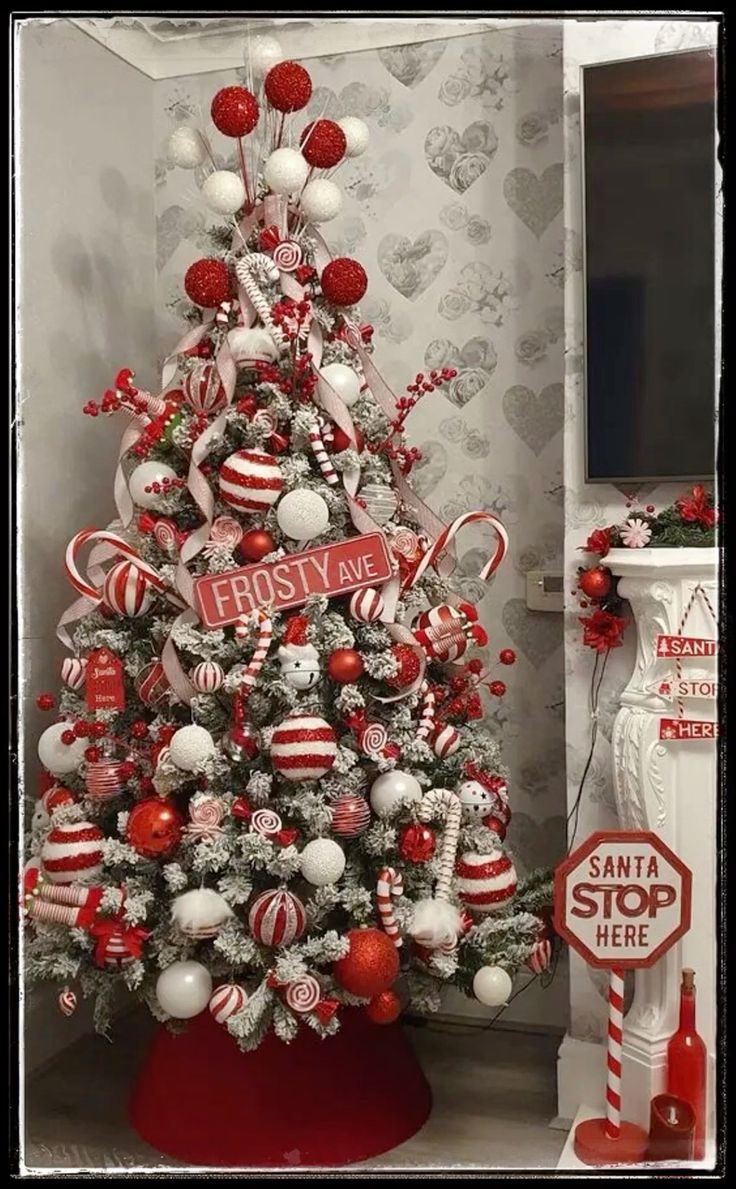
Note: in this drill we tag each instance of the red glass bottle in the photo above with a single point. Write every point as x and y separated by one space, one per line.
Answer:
687 1061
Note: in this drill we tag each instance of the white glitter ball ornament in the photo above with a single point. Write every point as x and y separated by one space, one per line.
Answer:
190 747
60 758
285 171
141 483
185 148
322 862
357 134
391 788
321 201
200 913
184 989
249 344
344 381
492 986
224 192
303 514
261 54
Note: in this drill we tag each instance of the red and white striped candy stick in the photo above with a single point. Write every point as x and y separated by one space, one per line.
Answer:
615 1040
252 269
389 884
429 807
426 721
265 635
447 536
323 460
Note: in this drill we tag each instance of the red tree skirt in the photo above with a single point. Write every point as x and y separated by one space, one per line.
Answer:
313 1102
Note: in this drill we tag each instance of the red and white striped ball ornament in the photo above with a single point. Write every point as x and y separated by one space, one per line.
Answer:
72 853
350 815
55 797
74 671
203 389
445 632
303 747
207 677
127 590
152 685
227 999
67 1001
277 918
446 741
250 481
487 882
366 605
105 779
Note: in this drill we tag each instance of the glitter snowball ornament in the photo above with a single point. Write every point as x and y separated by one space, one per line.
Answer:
343 380
356 133
350 815
320 201
263 53
200 913
256 544
492 986
277 917
74 671
185 148
408 666
207 283
227 999
224 192
384 1008
250 345
322 862
72 853
417 843
184 989
143 480
60 758
303 514
285 171
190 747
203 389
250 480
345 665
207 677
323 144
366 605
343 281
127 590
370 966
485 882
288 87
389 789
234 111
154 827
303 747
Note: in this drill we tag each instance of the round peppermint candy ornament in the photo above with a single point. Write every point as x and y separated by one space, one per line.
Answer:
366 605
277 918
250 481
303 747
72 853
227 999
127 590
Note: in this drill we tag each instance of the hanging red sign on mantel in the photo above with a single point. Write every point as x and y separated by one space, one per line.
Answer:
687 728
683 646
104 689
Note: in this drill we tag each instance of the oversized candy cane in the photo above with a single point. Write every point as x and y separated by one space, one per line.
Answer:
426 721
448 535
389 884
323 460
148 574
265 635
249 271
437 923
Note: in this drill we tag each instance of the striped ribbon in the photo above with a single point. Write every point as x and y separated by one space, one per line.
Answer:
615 1039
388 884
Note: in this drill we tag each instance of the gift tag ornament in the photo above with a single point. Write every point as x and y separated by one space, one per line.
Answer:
104 689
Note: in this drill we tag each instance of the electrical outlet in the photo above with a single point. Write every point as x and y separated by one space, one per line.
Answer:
544 591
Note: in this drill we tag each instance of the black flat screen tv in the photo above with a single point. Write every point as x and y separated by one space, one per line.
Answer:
649 176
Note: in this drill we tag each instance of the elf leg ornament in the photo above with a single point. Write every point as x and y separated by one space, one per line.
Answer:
437 923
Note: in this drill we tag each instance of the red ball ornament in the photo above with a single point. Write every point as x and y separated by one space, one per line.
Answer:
497 688
154 827
409 666
45 701
370 966
417 843
596 582
256 544
288 87
345 665
496 824
207 283
323 144
507 656
341 441
384 1008
343 281
234 111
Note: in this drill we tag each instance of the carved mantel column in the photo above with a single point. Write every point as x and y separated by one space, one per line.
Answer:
669 788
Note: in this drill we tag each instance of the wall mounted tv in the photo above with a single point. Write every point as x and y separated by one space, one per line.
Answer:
649 173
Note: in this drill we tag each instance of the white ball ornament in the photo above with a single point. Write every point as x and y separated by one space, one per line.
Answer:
190 747
492 986
285 171
200 913
183 989
224 192
344 381
60 758
357 134
303 514
391 788
262 54
322 862
321 201
250 344
142 480
185 148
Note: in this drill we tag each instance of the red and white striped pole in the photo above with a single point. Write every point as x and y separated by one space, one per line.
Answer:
615 1039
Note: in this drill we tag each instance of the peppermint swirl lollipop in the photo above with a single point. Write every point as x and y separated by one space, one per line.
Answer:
205 817
265 822
303 994
225 531
373 739
287 255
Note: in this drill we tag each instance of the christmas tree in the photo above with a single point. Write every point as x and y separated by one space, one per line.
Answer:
268 790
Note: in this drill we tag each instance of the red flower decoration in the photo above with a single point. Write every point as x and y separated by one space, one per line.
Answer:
598 542
695 508
602 631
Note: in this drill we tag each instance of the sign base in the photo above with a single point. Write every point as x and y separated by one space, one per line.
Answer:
594 1146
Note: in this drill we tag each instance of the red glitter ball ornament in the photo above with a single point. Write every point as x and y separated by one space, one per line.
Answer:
409 666
417 843
207 283
288 87
154 827
370 966
345 665
384 1008
256 544
343 281
497 688
596 582
45 701
507 656
323 144
234 111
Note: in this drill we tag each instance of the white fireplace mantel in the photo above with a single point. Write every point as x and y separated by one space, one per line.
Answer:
668 787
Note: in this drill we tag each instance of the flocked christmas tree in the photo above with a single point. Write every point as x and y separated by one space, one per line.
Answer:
268 789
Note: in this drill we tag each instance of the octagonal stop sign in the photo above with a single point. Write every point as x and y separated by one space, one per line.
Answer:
622 899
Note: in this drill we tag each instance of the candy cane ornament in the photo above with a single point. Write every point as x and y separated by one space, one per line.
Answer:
323 460
144 574
448 535
388 884
252 269
265 635
437 923
426 720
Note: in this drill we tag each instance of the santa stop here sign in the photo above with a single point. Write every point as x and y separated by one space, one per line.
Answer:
622 899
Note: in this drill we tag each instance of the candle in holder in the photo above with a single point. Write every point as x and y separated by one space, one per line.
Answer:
671 1129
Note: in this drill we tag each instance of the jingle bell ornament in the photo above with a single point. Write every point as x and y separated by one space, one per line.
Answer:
482 794
299 660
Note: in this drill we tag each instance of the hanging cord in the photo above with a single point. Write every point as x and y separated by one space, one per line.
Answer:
573 817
